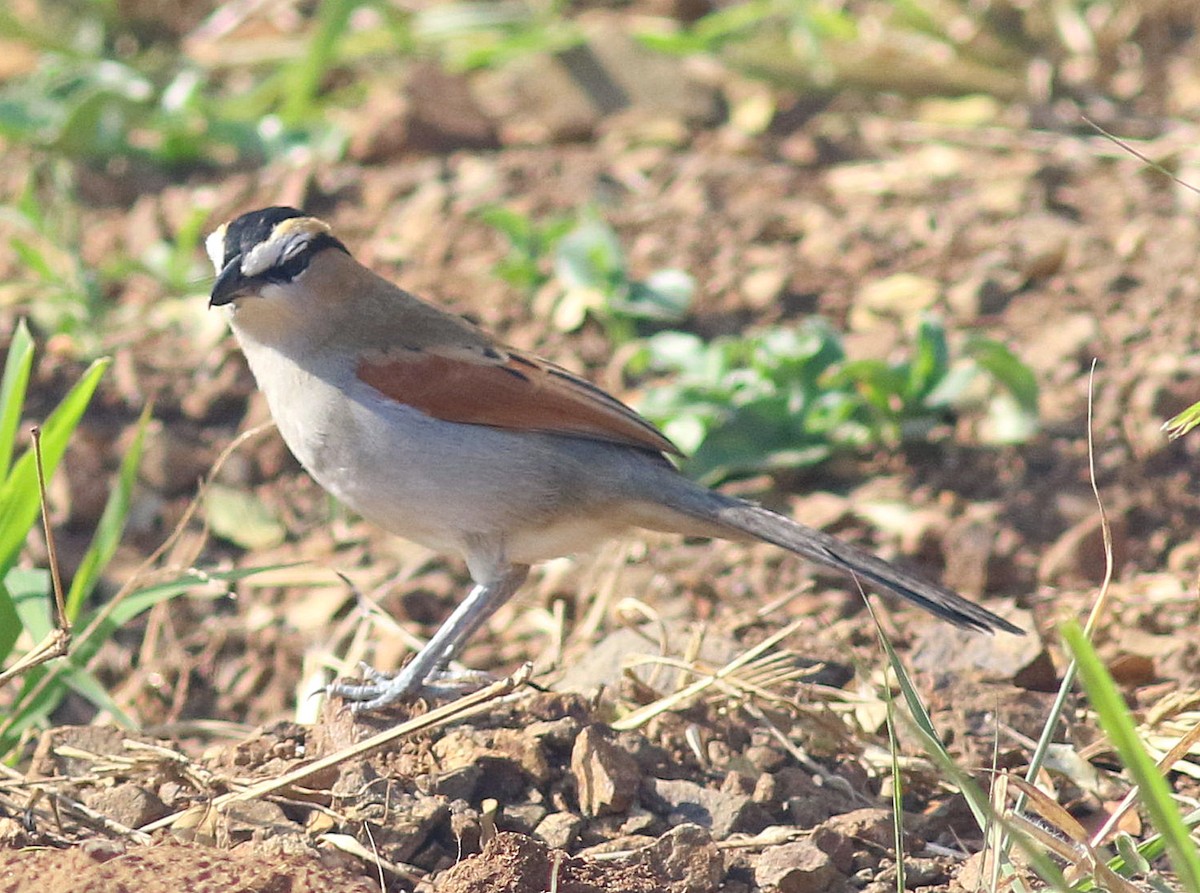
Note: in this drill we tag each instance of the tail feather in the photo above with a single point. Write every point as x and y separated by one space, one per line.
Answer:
822 548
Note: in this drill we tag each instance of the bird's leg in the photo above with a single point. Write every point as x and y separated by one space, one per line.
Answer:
382 689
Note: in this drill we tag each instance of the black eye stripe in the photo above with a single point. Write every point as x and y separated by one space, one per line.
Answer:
289 269
298 262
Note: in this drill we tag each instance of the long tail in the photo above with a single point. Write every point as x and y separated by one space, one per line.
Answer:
763 524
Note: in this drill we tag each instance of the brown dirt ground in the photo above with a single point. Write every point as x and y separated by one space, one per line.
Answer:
1061 246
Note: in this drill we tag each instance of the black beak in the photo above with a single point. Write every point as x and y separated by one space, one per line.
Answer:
230 283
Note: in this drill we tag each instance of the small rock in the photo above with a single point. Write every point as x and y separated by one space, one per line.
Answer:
559 733
255 820
509 760
607 776
558 830
641 821
1132 670
763 287
410 822
766 757
510 862
1078 555
737 783
793 792
459 783
922 872
687 857
127 803
436 113
1069 340
444 114
900 297
568 95
522 817
1042 245
979 553
172 463
843 836
799 867
982 294
720 813
940 651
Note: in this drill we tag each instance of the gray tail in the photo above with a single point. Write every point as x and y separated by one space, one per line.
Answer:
822 548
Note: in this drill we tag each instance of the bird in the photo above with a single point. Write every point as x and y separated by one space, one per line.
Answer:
431 429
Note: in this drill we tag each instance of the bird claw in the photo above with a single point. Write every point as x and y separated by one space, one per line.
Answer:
380 689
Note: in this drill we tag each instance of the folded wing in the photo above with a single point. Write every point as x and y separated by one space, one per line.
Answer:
502 388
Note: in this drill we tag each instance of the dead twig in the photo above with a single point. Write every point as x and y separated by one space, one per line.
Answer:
57 642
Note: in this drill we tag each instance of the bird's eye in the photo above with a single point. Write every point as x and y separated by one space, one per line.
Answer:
290 268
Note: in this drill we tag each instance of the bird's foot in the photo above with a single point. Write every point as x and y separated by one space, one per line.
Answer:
381 689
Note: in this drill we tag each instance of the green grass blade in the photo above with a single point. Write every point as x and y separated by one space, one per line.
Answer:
39 696
19 500
10 624
68 676
17 367
29 589
81 681
1119 728
897 781
977 801
306 75
981 807
1181 424
135 603
111 525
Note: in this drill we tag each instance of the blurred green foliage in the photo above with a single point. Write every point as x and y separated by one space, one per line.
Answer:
102 89
583 259
62 293
790 397
1180 424
491 33
106 86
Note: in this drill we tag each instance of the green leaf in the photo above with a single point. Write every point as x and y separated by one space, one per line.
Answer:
30 591
111 525
1119 729
757 436
33 259
1007 368
880 384
10 623
19 495
518 228
1008 421
665 296
17 367
589 256
239 517
800 356
1128 852
931 359
83 682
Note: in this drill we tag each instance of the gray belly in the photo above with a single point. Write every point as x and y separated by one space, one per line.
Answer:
454 487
